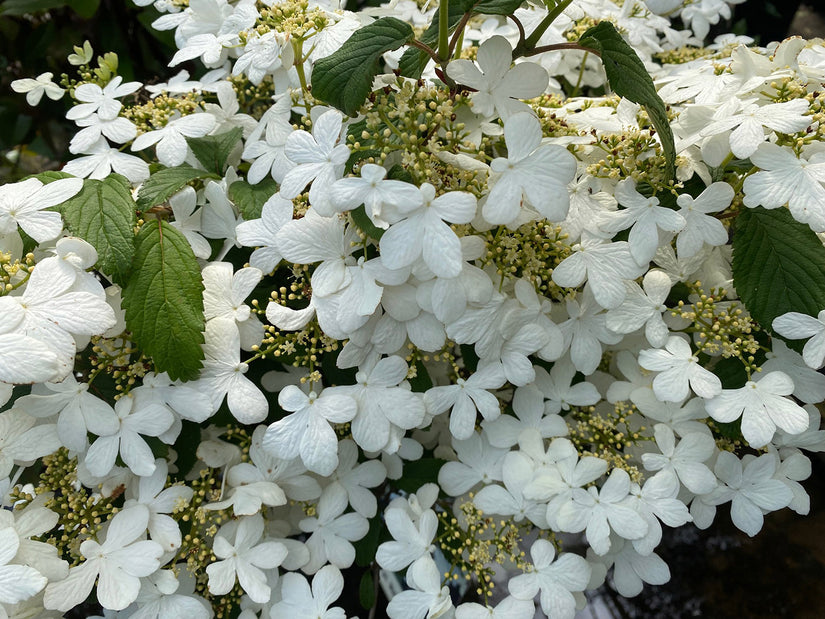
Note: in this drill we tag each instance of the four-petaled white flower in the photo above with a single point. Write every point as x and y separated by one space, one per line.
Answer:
679 371
23 204
298 601
798 326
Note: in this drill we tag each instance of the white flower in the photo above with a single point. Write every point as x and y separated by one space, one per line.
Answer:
307 431
597 511
261 233
299 602
678 368
223 374
37 87
478 462
763 406
17 582
427 598
424 232
119 130
24 359
243 557
102 159
171 143
797 326
683 462
785 178
700 226
121 561
23 204
751 489
102 101
412 540
320 160
332 532
512 499
497 85
541 173
531 413
605 265
223 299
374 192
134 422
643 308
554 580
466 398
508 608
585 331
355 478
644 217
264 54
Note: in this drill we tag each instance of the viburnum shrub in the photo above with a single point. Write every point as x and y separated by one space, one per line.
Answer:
460 302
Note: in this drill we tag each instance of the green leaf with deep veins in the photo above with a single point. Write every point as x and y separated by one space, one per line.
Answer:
250 199
164 301
778 265
166 182
103 214
627 76
214 150
344 79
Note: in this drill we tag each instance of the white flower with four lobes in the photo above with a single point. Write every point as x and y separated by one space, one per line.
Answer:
679 371
242 557
298 601
23 204
261 233
171 143
120 562
101 101
497 85
427 597
223 299
539 172
764 406
700 227
554 579
375 192
683 462
319 160
412 540
424 232
307 431
643 308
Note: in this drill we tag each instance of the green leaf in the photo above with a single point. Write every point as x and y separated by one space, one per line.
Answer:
627 76
85 8
344 79
366 547
250 199
186 448
49 176
214 150
23 7
365 225
422 381
167 182
778 265
164 301
366 591
103 214
413 61
497 7
419 472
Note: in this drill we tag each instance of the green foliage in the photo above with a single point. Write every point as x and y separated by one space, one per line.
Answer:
213 151
344 79
414 60
778 265
627 76
103 214
250 199
166 182
360 219
366 591
164 301
419 472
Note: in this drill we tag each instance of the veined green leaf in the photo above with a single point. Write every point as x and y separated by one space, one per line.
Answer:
419 472
778 265
497 7
414 60
103 214
214 150
167 182
164 301
250 199
344 79
627 76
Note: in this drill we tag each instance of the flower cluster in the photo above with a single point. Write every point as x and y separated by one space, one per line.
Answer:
480 328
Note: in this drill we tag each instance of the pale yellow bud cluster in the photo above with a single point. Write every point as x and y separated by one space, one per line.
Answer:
14 273
530 252
293 17
607 433
120 359
155 113
633 154
474 543
722 327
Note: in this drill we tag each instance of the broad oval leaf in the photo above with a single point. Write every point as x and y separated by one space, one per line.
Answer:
344 79
627 76
778 265
164 301
103 214
166 182
250 199
213 151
